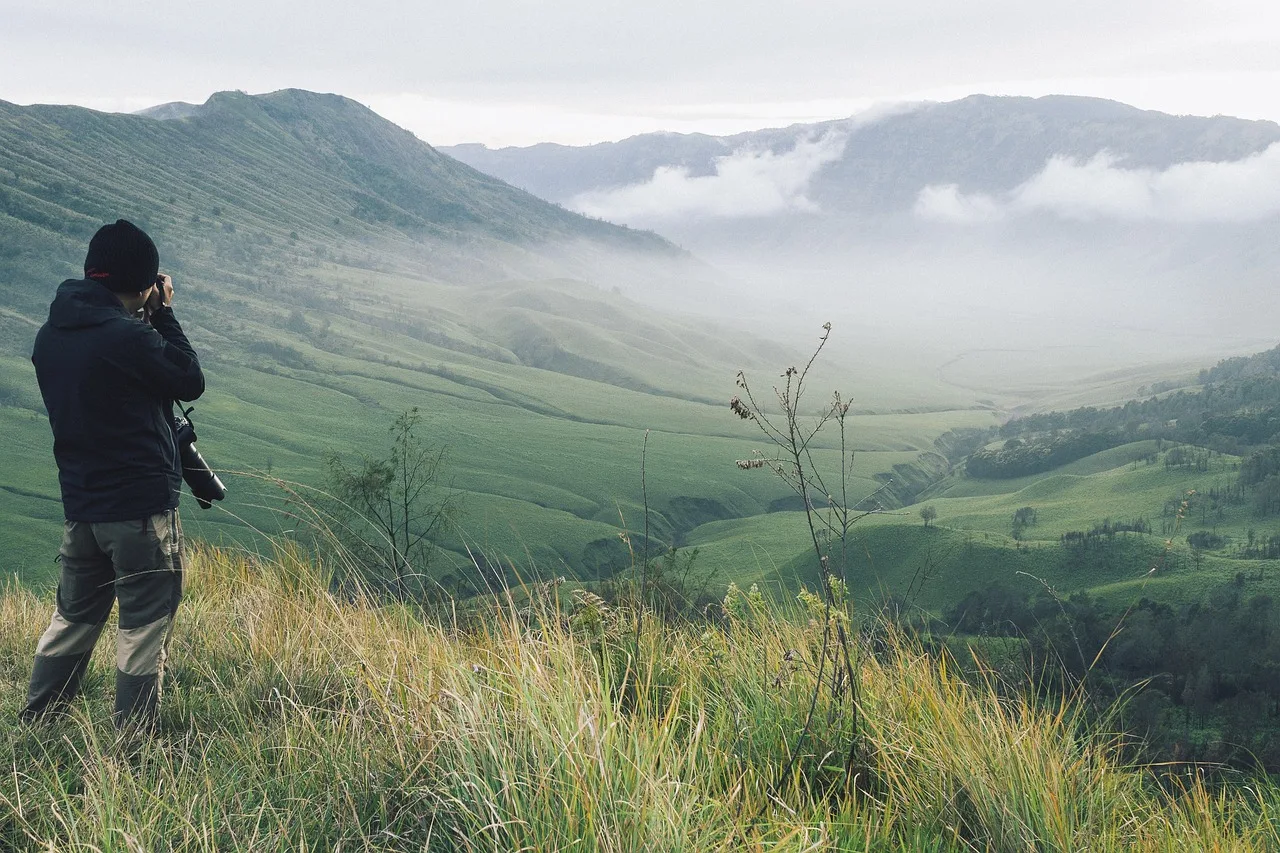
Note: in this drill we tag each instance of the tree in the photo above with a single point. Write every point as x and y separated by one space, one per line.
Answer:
393 508
928 513
1022 519
1197 556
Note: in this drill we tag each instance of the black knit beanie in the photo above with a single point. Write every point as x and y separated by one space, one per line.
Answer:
122 258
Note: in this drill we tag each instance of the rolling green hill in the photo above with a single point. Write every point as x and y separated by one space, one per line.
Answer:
1069 547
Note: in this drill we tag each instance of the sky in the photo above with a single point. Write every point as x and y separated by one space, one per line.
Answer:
515 72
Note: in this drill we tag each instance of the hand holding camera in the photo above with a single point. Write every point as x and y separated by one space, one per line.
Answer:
161 294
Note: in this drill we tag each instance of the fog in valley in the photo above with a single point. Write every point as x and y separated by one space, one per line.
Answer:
1008 269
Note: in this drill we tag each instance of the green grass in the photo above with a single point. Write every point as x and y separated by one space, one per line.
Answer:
1115 484
294 721
546 463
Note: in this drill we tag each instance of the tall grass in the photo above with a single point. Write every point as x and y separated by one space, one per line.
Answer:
296 720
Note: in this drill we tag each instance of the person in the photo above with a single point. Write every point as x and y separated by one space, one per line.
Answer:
110 361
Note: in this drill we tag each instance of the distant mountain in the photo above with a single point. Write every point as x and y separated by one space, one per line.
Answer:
560 172
1004 221
981 143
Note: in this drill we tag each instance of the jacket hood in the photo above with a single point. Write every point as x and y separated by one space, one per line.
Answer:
80 303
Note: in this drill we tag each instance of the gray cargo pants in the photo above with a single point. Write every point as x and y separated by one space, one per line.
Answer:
138 562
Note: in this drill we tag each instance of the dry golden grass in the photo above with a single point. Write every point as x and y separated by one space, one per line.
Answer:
299 721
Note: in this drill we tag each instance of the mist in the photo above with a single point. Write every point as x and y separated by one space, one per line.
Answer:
1086 269
1020 242
1074 301
745 183
1102 188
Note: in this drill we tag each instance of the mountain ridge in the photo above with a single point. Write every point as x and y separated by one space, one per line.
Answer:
1087 125
237 158
332 270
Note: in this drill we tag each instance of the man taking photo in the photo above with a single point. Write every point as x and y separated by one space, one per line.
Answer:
110 361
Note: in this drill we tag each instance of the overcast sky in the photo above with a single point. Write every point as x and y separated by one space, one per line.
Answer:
507 72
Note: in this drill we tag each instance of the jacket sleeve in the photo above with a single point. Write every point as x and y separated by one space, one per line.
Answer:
164 359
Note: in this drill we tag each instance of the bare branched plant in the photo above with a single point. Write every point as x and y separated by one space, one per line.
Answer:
829 515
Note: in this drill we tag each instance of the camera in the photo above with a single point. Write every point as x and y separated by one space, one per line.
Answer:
204 484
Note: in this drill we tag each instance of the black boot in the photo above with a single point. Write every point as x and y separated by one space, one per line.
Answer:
137 700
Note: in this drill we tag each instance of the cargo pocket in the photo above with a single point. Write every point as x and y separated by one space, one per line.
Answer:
166 530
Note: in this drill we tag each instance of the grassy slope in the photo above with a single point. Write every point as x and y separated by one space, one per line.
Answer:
970 545
547 463
297 721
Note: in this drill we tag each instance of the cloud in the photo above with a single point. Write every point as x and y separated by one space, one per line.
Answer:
1235 191
945 203
747 182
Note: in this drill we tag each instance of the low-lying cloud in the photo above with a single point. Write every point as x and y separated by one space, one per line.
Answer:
1099 189
746 183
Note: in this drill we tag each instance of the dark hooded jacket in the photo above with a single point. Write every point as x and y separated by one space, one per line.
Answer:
109 381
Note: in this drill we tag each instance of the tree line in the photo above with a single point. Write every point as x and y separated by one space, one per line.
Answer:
1236 412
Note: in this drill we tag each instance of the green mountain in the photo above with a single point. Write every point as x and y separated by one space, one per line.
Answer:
334 272
319 173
